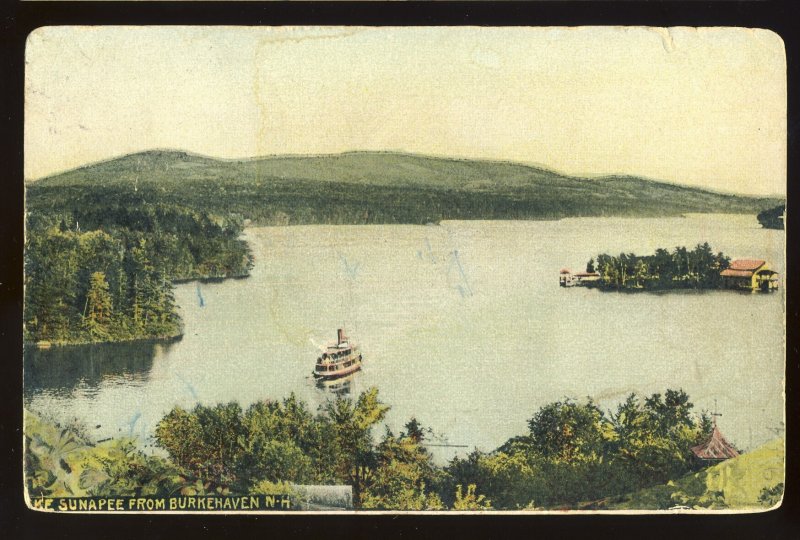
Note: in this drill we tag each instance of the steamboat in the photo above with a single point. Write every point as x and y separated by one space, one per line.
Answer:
338 360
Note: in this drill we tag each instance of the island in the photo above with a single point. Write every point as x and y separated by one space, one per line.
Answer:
698 268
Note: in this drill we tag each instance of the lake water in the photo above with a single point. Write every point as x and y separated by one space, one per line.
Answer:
462 325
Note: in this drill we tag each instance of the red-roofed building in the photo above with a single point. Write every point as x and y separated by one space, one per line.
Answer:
714 449
565 277
753 274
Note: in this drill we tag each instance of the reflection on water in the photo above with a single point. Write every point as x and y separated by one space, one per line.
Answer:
61 370
341 387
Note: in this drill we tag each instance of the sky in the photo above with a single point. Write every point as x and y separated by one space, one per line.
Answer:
702 107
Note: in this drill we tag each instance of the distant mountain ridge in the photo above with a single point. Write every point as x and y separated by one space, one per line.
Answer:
356 166
373 187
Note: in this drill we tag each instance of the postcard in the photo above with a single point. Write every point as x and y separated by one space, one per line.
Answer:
404 269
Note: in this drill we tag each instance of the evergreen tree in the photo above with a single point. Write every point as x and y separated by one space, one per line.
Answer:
99 309
51 265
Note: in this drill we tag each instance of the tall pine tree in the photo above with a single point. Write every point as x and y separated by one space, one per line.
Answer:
99 309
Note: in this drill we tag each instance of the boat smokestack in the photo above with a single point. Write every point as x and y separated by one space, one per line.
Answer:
341 336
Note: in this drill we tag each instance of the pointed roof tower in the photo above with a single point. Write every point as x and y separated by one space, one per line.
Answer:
715 448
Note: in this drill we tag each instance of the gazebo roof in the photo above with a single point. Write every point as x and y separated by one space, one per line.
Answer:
716 447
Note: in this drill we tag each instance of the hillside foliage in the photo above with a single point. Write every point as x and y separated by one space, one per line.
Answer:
282 441
576 452
573 456
754 480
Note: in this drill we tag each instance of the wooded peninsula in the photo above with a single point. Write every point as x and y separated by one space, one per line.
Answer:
772 218
106 272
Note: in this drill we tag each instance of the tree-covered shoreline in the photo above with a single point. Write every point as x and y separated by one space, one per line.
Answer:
106 272
573 453
698 268
772 218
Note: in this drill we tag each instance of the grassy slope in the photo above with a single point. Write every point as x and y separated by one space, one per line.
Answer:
373 187
733 484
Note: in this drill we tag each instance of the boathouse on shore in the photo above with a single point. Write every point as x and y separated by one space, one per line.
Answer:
567 279
585 277
753 274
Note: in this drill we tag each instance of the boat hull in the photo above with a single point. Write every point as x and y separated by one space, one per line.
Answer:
333 375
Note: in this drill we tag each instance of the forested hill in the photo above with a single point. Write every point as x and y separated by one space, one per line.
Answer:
367 187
